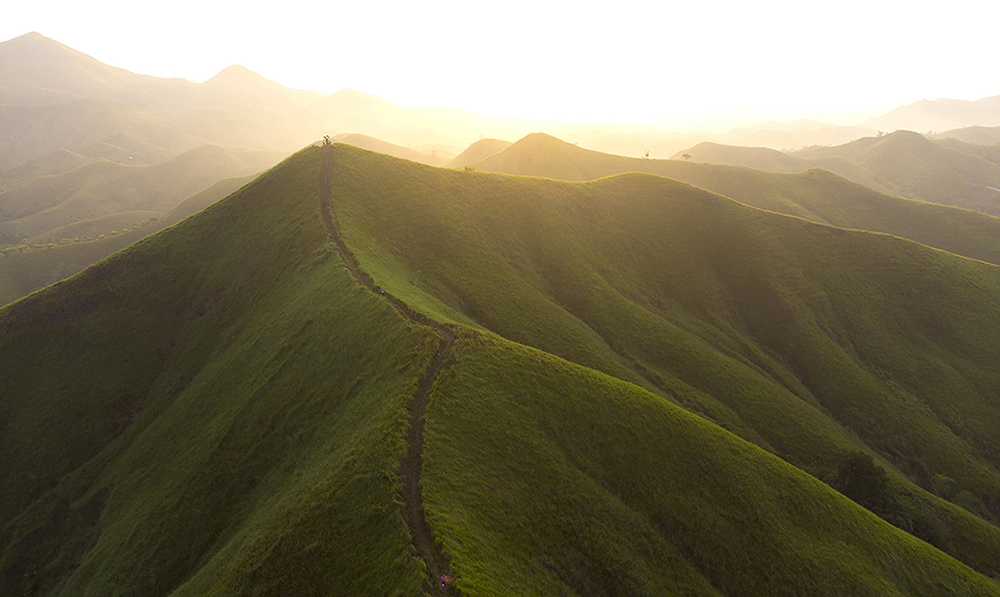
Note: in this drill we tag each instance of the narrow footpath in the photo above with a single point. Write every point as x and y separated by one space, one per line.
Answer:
412 465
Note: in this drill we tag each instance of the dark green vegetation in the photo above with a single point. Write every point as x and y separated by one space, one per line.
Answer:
218 410
814 195
651 391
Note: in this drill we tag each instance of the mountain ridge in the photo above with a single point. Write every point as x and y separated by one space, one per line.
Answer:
276 382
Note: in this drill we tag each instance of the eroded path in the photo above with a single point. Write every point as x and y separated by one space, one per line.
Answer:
412 465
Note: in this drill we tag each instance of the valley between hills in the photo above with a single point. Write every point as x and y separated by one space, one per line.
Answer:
356 367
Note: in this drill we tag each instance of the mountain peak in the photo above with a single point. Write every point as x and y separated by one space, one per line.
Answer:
238 75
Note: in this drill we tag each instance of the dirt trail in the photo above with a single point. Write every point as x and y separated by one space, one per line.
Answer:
412 465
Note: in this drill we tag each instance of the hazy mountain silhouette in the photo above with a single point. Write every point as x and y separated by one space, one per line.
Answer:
478 151
940 115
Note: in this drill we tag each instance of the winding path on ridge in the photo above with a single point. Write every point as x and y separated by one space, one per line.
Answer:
412 465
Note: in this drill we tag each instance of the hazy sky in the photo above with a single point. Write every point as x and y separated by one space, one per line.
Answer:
623 61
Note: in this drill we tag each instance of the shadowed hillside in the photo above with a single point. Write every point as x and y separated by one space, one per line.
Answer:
222 408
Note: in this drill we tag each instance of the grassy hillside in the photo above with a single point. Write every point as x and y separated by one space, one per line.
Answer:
27 268
770 160
227 414
975 135
101 189
546 478
814 195
922 169
221 408
813 342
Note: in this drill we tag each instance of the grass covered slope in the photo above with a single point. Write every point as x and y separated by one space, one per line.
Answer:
25 269
922 169
813 342
100 188
218 410
546 478
221 409
772 160
814 195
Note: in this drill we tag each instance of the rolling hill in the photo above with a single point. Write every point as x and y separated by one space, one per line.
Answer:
234 405
940 115
406 153
125 195
25 269
814 195
921 169
975 135
763 158
478 151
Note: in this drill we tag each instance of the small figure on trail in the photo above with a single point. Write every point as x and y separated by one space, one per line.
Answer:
445 580
327 140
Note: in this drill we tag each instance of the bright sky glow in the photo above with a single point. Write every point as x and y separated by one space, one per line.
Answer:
623 61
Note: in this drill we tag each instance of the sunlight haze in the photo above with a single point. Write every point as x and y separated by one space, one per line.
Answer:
644 62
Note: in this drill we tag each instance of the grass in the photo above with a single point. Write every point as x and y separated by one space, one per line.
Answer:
922 169
216 425
643 376
813 342
25 269
99 188
813 195
547 478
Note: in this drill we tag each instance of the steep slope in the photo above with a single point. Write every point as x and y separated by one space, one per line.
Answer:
229 412
258 397
549 479
812 342
814 195
478 151
922 169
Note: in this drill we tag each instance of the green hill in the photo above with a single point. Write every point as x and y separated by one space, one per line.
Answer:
222 408
922 169
814 195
